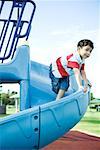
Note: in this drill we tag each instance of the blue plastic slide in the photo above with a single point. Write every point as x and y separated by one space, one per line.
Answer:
47 120
41 119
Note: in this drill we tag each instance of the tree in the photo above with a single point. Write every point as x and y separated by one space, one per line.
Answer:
5 97
92 97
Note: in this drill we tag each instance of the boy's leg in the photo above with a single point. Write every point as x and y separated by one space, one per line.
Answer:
64 84
60 94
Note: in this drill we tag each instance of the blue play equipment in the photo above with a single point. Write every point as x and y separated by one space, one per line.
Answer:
41 119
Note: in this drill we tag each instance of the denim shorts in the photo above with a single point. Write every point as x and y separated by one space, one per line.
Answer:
58 83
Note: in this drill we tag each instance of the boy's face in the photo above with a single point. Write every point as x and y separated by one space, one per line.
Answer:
85 51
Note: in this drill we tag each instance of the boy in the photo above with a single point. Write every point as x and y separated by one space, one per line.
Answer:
61 69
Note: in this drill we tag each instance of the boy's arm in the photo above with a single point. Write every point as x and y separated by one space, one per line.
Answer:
83 74
78 79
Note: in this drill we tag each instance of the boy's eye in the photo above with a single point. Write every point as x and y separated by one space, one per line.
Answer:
88 50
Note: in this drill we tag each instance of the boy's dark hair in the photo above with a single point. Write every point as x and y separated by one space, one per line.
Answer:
85 42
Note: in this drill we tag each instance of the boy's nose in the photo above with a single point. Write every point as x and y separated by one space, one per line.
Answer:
88 54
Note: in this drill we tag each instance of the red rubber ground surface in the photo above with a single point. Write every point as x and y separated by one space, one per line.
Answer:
75 140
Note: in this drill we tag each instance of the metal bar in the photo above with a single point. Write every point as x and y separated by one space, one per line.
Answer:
8 41
18 35
2 30
17 26
1 6
6 27
29 26
5 20
18 12
14 21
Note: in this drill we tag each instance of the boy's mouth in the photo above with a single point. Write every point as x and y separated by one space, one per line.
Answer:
86 56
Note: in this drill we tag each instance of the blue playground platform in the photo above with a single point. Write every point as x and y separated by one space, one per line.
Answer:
41 119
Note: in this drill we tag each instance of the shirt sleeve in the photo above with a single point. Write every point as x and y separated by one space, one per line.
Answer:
73 61
73 64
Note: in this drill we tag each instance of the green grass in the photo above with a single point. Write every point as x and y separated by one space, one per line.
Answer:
3 115
90 123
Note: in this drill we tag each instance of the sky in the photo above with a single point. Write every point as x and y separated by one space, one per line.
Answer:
57 27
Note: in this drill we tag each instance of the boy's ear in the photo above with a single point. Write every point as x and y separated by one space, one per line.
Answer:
78 47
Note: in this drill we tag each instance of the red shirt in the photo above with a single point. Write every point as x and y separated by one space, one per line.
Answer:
63 66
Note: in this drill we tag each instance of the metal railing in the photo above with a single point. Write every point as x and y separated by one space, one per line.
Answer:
15 23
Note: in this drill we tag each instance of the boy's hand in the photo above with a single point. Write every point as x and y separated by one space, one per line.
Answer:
84 89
